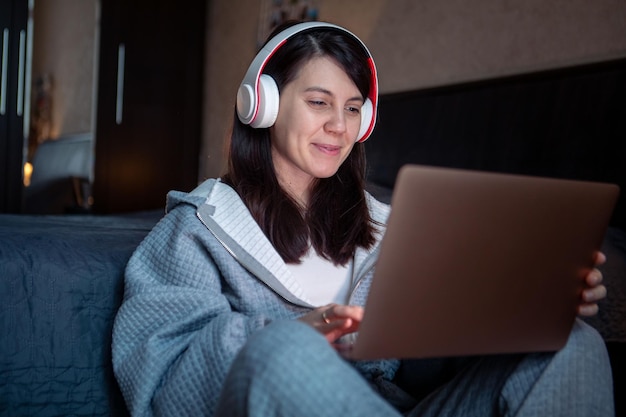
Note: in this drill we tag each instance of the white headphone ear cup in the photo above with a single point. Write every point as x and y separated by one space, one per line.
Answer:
245 103
367 111
269 100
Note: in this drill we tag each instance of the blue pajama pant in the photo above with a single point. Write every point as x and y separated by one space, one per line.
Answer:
289 369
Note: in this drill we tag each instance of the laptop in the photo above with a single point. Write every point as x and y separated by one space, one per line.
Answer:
476 263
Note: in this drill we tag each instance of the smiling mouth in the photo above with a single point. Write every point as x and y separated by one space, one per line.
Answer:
328 148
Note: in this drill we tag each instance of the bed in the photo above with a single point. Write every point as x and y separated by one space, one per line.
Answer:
61 282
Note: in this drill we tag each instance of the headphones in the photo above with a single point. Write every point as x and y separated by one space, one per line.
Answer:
258 97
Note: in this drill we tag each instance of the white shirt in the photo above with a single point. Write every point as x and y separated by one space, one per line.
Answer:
322 281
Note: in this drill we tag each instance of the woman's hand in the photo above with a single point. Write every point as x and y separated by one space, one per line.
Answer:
334 320
594 291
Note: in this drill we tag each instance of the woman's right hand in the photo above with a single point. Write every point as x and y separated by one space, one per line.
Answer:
334 320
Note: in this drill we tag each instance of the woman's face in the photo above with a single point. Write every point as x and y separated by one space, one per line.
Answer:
317 125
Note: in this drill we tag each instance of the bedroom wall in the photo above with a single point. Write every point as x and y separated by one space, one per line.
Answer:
418 44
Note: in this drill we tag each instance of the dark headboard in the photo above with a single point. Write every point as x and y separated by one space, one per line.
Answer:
566 123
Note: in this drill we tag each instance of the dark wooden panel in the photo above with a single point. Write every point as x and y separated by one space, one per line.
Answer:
155 147
569 123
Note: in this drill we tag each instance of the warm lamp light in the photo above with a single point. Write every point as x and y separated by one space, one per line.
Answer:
28 171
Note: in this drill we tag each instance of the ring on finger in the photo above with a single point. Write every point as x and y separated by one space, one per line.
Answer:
325 318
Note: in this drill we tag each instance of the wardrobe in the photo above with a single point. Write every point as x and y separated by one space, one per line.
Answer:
149 106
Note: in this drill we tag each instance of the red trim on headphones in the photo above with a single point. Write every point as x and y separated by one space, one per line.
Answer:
373 96
258 79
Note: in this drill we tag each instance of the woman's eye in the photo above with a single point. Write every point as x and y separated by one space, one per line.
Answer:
352 109
317 102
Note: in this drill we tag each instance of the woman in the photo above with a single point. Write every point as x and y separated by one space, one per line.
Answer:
238 300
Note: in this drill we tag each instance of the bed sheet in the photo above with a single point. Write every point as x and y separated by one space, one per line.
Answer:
61 282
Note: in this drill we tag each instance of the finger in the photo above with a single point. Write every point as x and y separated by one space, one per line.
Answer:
600 258
594 277
326 318
328 313
336 328
332 322
346 311
588 310
595 294
315 317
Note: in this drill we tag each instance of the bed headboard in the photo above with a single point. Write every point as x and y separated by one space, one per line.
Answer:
566 123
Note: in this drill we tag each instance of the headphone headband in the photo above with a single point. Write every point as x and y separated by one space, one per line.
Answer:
256 89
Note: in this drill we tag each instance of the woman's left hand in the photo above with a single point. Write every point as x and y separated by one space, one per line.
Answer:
594 290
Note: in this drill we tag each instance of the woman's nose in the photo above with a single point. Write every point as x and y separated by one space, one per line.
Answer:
337 122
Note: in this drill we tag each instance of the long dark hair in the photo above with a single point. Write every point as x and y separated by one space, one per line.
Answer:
337 220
